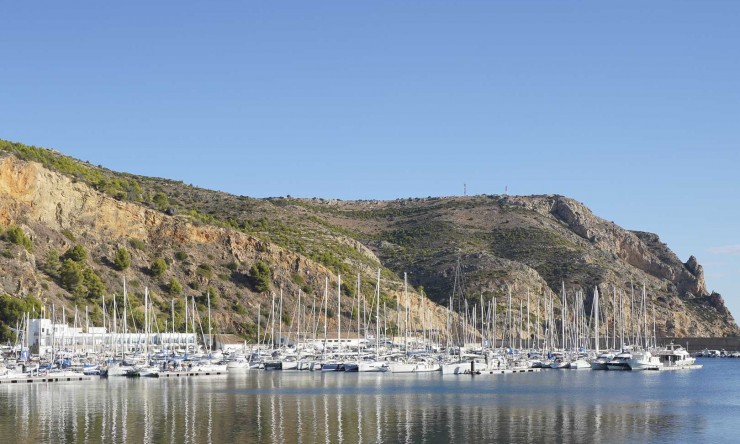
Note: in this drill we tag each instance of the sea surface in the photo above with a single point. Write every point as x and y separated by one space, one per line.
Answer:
573 406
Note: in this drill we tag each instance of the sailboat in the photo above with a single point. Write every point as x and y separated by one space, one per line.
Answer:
375 364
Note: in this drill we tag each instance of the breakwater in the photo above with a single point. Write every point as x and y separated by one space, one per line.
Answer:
731 343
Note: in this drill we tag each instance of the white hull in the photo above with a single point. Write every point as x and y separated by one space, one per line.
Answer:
598 364
237 365
622 366
560 364
374 366
644 361
463 368
290 365
331 367
427 368
118 370
209 368
402 367
579 364
149 372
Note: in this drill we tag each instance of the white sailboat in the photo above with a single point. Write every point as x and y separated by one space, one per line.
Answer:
375 364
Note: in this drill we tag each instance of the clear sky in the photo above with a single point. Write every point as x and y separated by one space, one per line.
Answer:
630 107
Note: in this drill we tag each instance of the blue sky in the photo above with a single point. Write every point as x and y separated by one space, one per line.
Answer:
629 107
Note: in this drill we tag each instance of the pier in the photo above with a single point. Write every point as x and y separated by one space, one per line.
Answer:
193 373
37 379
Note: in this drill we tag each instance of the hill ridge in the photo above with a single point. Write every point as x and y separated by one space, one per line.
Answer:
528 242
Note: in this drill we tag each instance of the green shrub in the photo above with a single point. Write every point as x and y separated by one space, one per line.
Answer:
214 295
161 201
158 267
68 234
12 310
174 288
204 270
122 260
260 275
15 235
94 285
297 279
181 255
80 280
137 244
76 253
71 277
52 263
238 308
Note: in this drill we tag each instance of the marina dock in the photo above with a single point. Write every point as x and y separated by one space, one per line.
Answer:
37 379
683 367
192 373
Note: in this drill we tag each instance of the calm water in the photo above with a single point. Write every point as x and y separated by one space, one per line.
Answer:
552 406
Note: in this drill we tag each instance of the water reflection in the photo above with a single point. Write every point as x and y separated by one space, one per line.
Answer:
351 408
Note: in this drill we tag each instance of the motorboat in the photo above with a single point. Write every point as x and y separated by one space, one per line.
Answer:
675 356
620 361
601 360
644 360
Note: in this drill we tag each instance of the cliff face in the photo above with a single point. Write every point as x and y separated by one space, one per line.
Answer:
489 245
58 212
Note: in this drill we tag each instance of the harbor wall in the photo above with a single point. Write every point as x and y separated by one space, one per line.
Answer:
731 343
695 345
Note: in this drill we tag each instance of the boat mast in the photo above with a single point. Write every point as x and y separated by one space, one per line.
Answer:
298 321
508 323
529 337
272 328
494 321
210 331
280 315
146 323
339 312
377 317
326 309
358 316
596 318
187 345
621 318
563 315
406 309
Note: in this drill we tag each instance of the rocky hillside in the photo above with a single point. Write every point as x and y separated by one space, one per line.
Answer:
72 257
180 241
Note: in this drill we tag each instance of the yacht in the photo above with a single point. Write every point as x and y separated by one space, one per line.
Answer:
600 362
675 356
620 361
644 360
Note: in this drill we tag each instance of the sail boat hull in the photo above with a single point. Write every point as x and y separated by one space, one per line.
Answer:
373 366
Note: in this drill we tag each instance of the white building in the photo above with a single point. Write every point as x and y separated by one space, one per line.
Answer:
43 336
